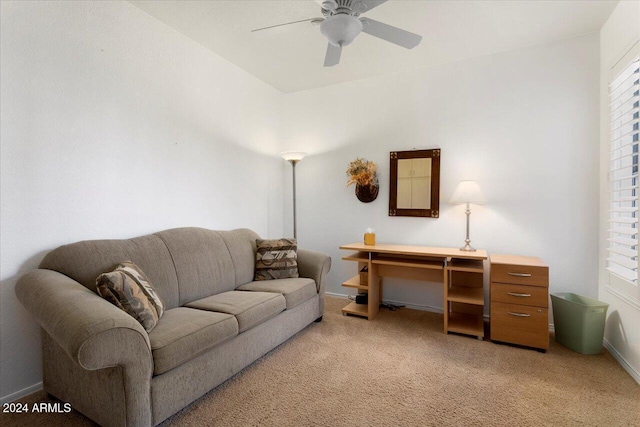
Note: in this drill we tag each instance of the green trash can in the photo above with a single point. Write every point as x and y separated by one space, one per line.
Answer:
579 322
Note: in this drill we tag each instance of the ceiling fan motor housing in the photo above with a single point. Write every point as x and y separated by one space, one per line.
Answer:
350 7
341 29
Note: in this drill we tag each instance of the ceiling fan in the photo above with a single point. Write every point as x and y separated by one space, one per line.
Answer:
342 23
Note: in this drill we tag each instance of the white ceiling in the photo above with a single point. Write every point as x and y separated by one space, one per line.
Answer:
452 30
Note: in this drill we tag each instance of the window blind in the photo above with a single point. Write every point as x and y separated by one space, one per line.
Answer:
623 174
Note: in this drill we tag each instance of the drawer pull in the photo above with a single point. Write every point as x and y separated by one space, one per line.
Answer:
519 274
519 314
516 294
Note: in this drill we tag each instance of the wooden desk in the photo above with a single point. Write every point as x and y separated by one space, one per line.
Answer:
460 272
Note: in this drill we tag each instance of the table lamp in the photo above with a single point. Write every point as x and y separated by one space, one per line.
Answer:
293 157
467 192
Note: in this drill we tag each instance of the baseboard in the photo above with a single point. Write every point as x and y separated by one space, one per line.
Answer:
616 355
334 294
622 361
21 393
420 307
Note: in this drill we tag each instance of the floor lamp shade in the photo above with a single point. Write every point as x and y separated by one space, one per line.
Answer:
467 192
293 157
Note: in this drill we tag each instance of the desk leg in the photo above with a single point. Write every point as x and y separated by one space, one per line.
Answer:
374 291
445 303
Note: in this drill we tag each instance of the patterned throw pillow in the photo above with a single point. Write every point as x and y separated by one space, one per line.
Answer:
128 288
276 259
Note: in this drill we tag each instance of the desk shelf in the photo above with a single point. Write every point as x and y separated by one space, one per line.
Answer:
362 260
474 296
469 265
468 324
361 310
358 256
354 282
464 297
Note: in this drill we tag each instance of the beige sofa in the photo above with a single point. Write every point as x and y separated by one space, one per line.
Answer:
217 320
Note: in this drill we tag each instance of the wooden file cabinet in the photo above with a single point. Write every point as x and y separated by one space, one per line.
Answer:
520 301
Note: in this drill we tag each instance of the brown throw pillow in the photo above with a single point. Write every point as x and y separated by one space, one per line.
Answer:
276 259
128 288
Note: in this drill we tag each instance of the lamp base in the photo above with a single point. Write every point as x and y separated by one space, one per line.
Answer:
467 247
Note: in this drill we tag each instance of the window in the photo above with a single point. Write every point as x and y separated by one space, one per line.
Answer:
622 251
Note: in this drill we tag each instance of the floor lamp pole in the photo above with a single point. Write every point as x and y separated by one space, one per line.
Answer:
295 220
293 157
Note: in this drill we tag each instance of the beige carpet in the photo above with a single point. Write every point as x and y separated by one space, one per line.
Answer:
401 370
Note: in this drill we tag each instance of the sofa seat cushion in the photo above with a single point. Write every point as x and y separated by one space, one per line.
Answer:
184 333
295 291
250 308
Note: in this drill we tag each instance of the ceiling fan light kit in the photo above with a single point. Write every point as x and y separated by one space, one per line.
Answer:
342 24
340 30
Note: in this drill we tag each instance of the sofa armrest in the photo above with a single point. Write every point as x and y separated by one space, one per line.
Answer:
87 327
314 265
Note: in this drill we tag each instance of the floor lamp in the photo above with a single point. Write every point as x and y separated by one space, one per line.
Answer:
293 157
467 192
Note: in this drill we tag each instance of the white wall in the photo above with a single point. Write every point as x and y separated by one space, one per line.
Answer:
113 125
524 124
620 33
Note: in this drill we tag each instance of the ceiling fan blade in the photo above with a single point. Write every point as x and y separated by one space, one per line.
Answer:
370 4
390 33
289 26
333 55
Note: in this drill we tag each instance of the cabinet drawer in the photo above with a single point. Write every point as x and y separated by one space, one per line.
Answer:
519 294
520 274
520 324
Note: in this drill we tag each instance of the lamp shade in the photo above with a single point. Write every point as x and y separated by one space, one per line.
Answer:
467 192
292 155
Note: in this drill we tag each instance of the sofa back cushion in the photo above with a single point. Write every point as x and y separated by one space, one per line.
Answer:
85 261
276 259
202 261
242 247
